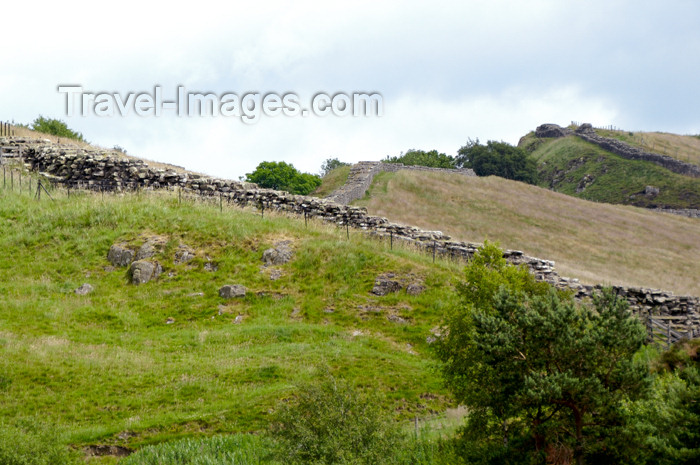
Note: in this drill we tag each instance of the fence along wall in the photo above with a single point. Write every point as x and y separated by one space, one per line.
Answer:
95 169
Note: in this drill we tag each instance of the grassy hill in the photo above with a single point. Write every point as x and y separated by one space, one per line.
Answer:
595 242
131 365
684 148
581 169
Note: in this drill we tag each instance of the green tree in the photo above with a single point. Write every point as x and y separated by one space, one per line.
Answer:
283 176
432 159
541 375
55 127
497 159
331 423
330 164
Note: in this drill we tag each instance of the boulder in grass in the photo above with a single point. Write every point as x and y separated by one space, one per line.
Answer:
119 255
230 291
84 289
143 271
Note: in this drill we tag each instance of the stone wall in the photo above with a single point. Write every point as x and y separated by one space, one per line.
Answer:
587 133
362 174
99 169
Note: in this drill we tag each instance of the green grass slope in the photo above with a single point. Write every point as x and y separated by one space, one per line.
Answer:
683 148
332 181
131 365
595 242
575 167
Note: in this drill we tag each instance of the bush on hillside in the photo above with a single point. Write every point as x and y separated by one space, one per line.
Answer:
432 159
497 159
329 422
330 164
283 176
55 127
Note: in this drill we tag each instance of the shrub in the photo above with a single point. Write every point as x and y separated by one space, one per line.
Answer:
330 164
55 127
331 423
283 176
498 159
432 159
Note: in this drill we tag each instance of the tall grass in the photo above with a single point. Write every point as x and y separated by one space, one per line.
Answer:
134 365
595 242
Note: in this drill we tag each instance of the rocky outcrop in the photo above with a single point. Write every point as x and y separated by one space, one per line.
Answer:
552 130
143 271
280 254
120 255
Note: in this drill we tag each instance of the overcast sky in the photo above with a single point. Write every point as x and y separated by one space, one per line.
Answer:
447 71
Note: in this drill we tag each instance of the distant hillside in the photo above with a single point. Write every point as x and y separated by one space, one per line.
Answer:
595 242
575 167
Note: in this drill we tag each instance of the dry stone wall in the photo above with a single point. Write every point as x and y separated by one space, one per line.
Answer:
92 168
362 174
587 133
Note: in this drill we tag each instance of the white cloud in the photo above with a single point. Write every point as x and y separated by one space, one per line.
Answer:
447 70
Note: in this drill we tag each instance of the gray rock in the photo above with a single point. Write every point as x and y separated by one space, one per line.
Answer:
183 255
84 289
145 251
280 254
143 271
230 291
552 130
385 284
415 289
119 255
651 191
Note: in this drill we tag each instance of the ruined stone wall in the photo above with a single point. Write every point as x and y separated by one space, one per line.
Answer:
362 174
587 133
95 169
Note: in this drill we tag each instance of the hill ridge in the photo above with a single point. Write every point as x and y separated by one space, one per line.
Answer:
81 167
586 132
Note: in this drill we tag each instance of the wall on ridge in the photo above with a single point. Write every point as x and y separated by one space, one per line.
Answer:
587 133
94 169
362 174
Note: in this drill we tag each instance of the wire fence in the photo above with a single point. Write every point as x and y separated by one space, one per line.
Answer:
663 330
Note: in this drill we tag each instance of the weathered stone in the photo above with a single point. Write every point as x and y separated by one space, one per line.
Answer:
552 130
651 191
230 291
183 255
385 284
84 289
415 289
280 254
145 251
119 255
143 271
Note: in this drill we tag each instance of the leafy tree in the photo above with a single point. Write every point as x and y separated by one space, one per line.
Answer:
414 157
55 127
331 423
283 176
670 418
542 376
330 164
498 159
